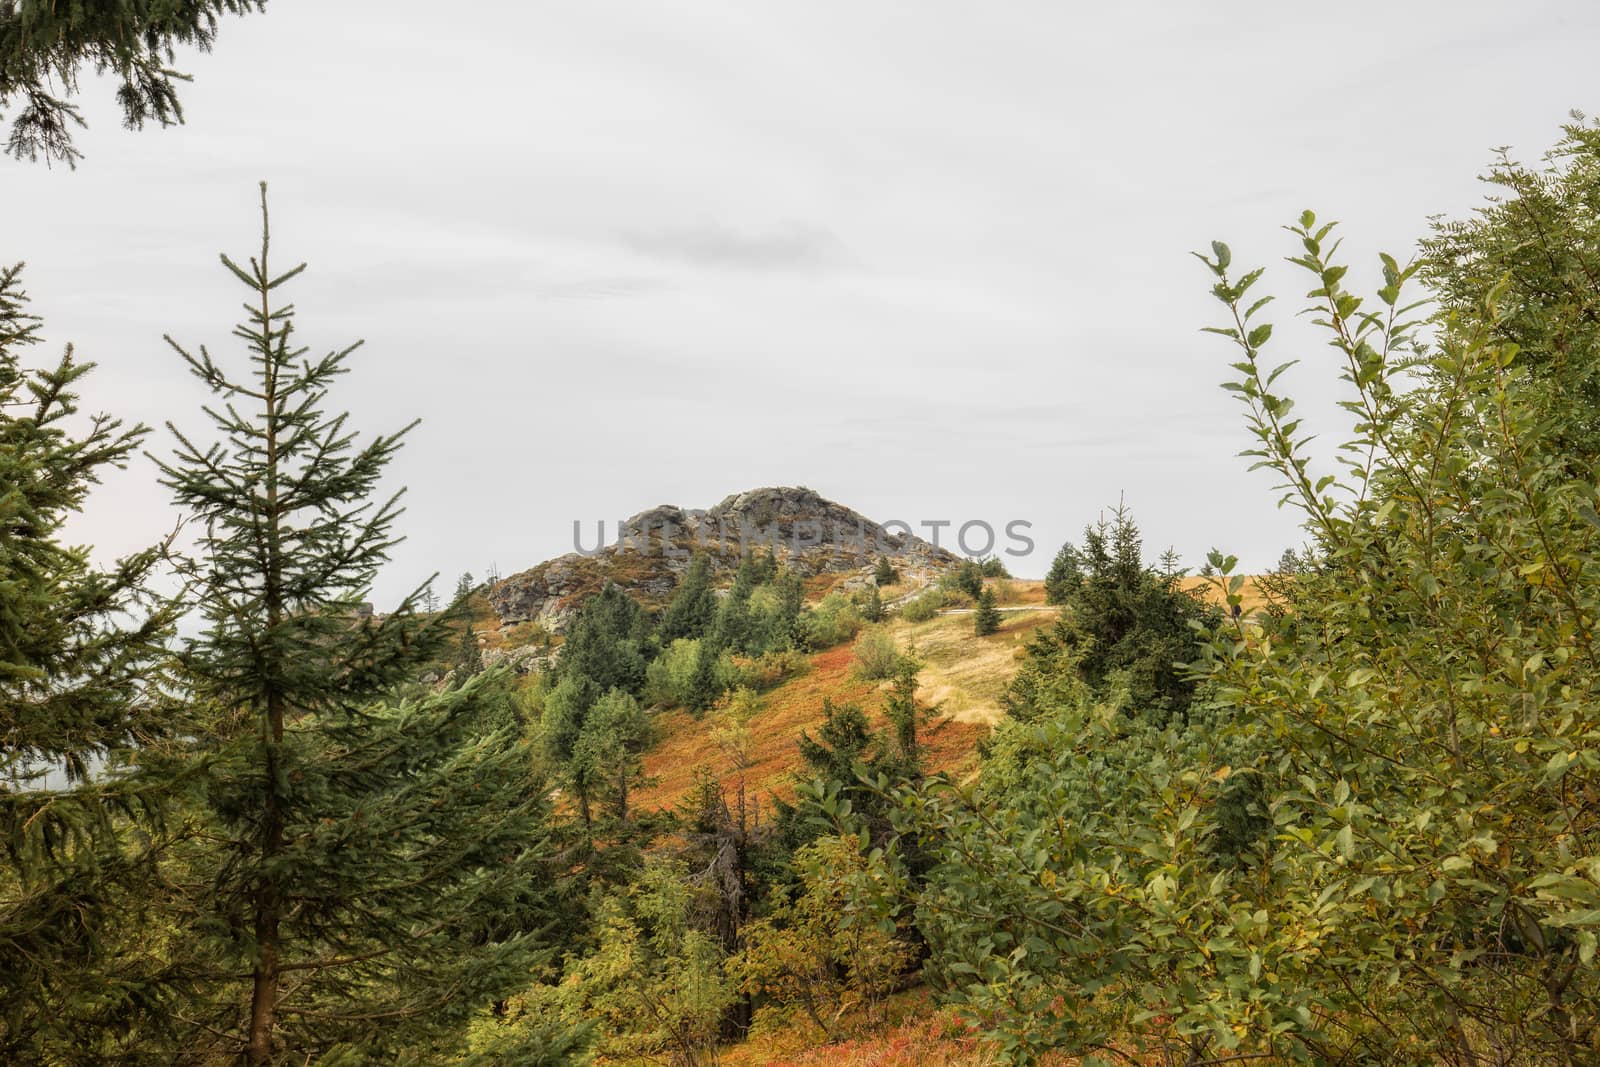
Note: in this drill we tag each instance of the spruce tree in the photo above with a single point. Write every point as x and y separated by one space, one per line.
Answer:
1129 624
842 742
1062 576
967 578
605 758
873 610
885 574
704 686
693 608
44 46
79 683
606 646
368 868
902 712
986 620
469 657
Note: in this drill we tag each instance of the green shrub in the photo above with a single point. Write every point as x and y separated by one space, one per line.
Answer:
670 677
767 670
924 607
966 578
876 654
993 567
1372 837
830 623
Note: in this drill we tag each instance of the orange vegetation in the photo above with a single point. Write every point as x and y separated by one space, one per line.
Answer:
919 1035
774 732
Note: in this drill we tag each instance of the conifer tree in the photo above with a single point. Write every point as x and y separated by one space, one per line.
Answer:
885 574
846 749
843 741
1058 580
44 45
693 608
605 758
78 687
371 867
469 657
872 610
704 687
986 620
902 712
1129 624
607 642
967 578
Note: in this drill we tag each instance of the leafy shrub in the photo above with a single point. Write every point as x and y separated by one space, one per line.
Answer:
1372 839
965 578
823 950
876 654
670 677
832 622
766 671
655 985
924 607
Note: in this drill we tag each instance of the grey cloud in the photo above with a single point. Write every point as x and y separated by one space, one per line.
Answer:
711 244
601 288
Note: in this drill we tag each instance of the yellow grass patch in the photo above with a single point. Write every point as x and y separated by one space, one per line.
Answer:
964 674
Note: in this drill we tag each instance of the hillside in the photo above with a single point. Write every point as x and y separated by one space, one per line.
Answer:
963 677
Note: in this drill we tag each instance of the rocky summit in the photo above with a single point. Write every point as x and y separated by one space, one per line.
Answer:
645 554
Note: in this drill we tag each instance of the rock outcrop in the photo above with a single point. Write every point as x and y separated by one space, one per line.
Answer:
807 532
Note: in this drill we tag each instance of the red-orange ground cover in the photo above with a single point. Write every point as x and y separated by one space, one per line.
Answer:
796 705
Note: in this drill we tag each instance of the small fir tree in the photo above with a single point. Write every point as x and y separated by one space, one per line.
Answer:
986 620
1058 580
469 657
872 610
368 871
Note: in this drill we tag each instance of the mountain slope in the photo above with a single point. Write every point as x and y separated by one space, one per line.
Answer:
962 675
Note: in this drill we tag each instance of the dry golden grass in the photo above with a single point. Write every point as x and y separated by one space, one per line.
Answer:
964 674
1025 591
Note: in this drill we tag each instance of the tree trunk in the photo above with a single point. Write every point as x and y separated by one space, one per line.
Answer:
264 998
264 994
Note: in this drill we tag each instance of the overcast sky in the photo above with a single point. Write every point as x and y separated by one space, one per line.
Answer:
929 259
